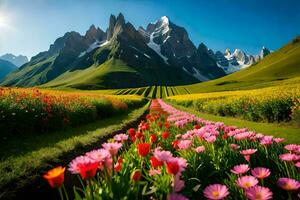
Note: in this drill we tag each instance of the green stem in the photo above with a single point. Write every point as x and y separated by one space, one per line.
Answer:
60 193
65 191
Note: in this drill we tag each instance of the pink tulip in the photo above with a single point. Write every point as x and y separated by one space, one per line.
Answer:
113 148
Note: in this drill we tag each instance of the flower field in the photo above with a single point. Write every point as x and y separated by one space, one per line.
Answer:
273 104
176 156
29 110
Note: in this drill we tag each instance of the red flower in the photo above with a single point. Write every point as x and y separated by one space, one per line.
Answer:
118 165
172 167
88 170
55 176
225 136
131 132
155 162
197 126
167 125
144 126
165 135
153 138
175 143
136 175
139 135
143 149
159 124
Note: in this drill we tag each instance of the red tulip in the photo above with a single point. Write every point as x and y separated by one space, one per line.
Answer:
155 162
88 170
175 143
167 125
136 175
165 135
153 138
159 124
172 167
131 132
143 149
55 176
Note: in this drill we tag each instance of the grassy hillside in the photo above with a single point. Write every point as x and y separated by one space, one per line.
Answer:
24 74
115 73
280 67
6 67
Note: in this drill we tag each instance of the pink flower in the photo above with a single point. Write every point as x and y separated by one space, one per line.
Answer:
200 149
266 140
258 193
177 184
260 172
216 191
240 169
162 156
121 137
289 157
246 182
297 164
77 163
246 153
279 140
291 147
184 144
99 155
181 162
234 146
102 156
288 184
211 139
153 172
112 148
175 196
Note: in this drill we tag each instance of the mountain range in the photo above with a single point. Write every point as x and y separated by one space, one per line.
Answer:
232 62
123 56
16 60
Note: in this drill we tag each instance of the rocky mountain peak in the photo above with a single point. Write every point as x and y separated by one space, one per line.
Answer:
111 26
94 34
264 52
227 52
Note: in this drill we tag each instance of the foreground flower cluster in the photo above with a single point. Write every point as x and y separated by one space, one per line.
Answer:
175 155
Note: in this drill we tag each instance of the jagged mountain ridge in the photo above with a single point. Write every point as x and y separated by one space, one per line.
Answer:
120 57
16 60
232 62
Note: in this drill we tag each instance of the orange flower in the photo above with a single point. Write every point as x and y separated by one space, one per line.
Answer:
55 176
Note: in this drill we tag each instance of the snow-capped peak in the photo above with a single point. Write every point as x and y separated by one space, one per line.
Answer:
164 20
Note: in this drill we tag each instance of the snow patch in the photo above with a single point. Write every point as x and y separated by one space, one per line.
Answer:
93 46
146 55
156 48
197 74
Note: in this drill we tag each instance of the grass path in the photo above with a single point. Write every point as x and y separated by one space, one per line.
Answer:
291 134
23 159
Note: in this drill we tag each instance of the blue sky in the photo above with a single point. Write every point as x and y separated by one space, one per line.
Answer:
30 26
